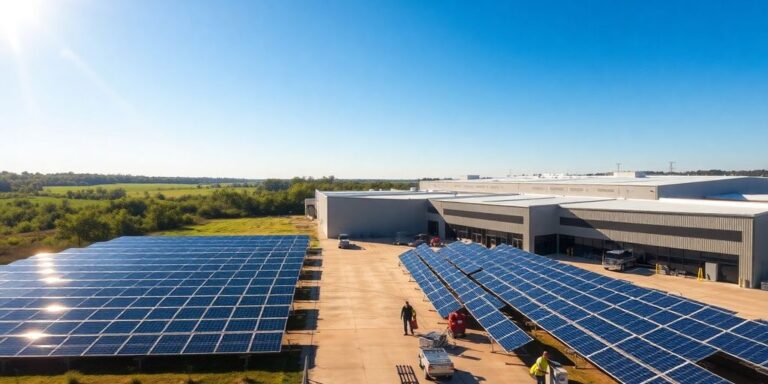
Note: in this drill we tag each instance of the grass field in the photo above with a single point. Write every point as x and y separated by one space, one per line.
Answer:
75 203
168 190
272 225
261 377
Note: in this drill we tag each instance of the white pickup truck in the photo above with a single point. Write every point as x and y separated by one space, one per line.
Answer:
619 260
436 363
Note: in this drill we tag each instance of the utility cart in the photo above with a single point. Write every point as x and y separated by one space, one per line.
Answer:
436 363
433 340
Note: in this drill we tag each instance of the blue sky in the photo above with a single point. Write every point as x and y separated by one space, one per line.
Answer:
390 89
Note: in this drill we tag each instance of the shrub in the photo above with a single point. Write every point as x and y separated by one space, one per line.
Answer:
73 377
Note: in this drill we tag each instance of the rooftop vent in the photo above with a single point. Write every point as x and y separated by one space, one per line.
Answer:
629 174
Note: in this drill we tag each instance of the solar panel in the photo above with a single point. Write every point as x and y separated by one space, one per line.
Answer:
152 295
481 305
456 280
601 317
442 299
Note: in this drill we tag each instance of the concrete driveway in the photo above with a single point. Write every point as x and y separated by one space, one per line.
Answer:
359 336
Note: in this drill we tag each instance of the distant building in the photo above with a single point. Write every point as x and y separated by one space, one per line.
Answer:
684 222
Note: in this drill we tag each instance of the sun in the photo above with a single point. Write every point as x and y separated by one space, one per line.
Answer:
15 16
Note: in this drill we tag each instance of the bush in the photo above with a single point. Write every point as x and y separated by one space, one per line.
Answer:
13 241
73 377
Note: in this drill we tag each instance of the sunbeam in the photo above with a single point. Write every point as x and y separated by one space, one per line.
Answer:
96 80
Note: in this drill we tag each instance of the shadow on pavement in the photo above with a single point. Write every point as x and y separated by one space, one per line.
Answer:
311 275
303 320
307 293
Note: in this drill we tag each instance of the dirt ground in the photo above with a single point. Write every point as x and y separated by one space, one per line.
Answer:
358 336
748 303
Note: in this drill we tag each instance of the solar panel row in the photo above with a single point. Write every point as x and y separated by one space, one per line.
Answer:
481 305
152 295
586 314
647 310
442 299
456 280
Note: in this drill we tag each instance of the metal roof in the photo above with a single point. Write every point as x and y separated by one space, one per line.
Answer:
680 206
391 195
600 180
521 200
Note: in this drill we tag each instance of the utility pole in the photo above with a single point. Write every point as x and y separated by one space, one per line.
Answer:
671 167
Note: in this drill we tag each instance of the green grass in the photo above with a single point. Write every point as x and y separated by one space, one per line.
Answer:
141 188
271 225
283 368
262 377
75 203
168 190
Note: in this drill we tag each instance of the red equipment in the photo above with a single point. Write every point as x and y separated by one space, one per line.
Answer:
457 324
435 241
414 323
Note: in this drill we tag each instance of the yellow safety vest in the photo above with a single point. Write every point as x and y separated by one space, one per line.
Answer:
540 367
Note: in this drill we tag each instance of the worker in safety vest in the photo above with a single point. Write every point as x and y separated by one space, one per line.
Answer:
540 368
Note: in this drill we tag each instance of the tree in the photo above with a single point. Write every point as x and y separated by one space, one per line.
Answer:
124 224
87 225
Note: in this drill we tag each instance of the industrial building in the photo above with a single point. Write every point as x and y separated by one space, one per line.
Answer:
682 222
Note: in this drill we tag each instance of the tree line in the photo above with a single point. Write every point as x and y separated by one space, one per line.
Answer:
34 182
113 214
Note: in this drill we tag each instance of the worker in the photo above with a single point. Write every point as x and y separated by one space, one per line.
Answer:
540 368
407 314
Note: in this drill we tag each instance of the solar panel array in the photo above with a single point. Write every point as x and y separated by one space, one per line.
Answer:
442 299
637 335
136 296
480 304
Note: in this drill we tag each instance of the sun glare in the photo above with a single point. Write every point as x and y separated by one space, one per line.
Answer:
34 335
55 308
15 16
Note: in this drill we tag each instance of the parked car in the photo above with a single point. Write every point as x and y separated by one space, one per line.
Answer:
402 238
419 240
344 241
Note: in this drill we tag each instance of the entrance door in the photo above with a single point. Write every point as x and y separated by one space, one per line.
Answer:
432 228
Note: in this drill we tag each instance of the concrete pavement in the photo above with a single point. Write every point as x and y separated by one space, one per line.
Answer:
359 336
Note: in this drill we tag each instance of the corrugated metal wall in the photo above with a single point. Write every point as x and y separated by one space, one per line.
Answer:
321 205
487 224
743 224
760 249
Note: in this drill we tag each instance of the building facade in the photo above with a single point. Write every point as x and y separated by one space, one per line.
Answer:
668 221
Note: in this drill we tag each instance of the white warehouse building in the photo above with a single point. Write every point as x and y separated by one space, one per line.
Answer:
684 222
